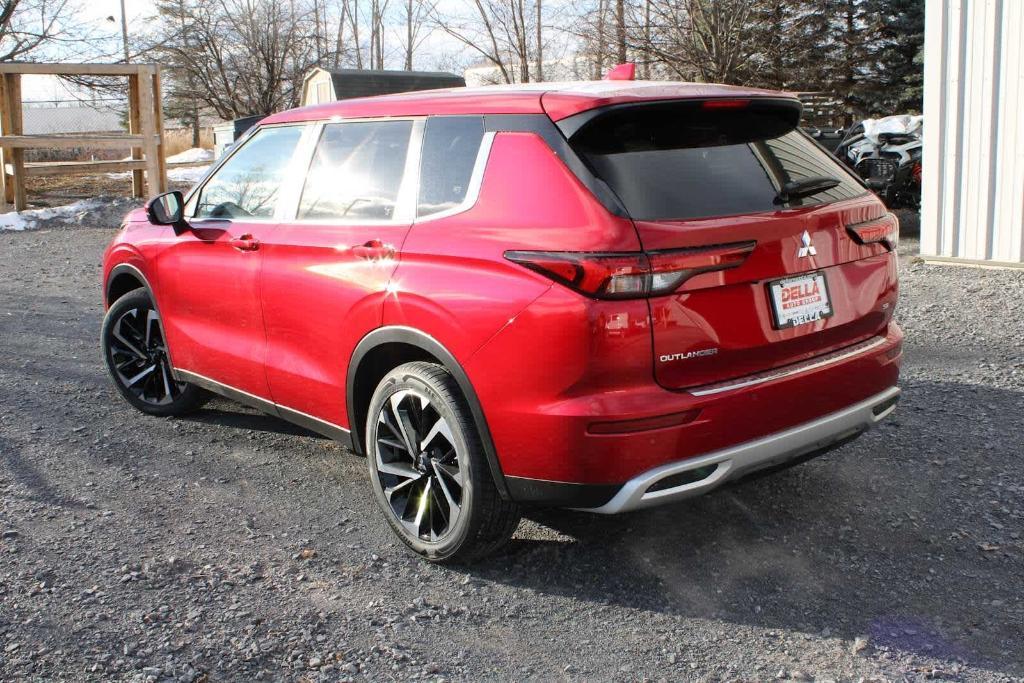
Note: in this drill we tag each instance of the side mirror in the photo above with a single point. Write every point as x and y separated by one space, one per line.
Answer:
167 209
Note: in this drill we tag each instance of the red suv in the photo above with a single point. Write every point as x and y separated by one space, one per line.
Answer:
598 295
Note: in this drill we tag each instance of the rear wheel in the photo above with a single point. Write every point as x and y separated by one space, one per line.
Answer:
428 469
135 351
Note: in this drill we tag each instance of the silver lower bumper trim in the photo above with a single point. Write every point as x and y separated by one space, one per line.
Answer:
735 461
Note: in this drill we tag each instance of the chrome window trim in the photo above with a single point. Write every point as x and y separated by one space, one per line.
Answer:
405 203
291 192
198 188
476 179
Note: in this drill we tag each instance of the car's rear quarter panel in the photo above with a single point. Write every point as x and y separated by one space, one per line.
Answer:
453 281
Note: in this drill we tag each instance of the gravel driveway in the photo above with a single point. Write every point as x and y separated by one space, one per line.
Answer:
233 546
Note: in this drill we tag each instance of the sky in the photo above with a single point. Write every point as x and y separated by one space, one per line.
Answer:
95 12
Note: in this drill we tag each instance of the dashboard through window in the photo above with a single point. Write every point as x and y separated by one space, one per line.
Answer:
248 185
356 171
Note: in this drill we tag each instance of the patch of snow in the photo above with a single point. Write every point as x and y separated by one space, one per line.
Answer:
69 213
191 155
188 174
184 174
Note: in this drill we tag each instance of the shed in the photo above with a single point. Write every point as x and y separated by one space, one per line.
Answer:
320 85
225 134
972 204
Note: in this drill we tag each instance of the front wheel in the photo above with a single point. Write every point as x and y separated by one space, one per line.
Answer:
135 351
428 470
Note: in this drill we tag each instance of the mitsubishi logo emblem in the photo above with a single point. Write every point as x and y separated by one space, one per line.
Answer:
806 248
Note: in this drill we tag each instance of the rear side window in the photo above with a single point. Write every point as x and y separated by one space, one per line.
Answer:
681 161
450 148
356 171
248 185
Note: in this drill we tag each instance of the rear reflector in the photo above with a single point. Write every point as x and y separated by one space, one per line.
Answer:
630 275
885 230
643 424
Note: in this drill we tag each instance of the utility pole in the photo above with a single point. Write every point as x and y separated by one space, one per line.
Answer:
124 33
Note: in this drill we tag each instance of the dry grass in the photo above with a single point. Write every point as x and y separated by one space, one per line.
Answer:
178 140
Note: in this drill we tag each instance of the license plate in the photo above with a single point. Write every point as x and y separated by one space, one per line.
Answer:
799 300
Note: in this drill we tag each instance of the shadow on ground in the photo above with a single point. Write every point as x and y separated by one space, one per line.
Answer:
841 546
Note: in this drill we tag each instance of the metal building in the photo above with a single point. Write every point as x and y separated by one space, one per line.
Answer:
972 208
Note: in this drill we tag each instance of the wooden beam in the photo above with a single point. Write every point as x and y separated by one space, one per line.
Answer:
147 124
113 141
12 103
6 186
72 69
138 179
158 122
49 168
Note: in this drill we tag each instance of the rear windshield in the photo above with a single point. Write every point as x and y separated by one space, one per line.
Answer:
683 160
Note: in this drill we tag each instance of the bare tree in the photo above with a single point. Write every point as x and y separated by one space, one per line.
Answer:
500 32
620 31
238 57
705 39
417 15
32 29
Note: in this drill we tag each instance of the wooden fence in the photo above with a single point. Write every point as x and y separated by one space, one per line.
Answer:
144 137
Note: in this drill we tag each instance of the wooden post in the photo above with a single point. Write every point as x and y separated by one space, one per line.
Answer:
150 145
138 180
6 190
158 116
14 191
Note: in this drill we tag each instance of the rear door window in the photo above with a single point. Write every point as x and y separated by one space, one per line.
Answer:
450 148
681 161
356 171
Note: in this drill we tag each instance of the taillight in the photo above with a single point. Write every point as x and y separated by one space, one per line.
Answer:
885 230
628 275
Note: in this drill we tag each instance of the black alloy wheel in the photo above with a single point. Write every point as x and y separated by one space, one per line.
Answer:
135 351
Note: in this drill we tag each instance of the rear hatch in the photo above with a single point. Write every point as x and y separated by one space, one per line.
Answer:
802 248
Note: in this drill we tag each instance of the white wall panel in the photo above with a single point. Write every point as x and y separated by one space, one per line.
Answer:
973 195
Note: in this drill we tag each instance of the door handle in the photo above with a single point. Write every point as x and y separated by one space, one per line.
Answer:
373 250
245 243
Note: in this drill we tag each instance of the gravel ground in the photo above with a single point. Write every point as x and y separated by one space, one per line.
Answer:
233 546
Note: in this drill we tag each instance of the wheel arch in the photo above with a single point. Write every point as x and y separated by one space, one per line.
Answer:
384 349
122 279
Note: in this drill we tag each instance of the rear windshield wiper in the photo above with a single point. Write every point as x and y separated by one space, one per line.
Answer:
797 189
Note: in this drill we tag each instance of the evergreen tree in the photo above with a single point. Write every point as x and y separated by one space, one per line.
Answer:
899 62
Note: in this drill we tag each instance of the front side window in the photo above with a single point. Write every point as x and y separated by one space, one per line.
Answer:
450 148
248 185
356 171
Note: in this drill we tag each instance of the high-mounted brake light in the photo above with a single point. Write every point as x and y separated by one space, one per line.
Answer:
725 104
630 275
621 72
885 230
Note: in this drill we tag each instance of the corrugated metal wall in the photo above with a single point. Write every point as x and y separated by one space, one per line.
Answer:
973 187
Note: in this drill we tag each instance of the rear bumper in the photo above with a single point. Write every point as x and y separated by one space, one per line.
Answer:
714 469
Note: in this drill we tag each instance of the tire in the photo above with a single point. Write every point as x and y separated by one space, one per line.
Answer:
136 356
438 496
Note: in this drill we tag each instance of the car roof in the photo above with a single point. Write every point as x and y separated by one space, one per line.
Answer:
558 100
